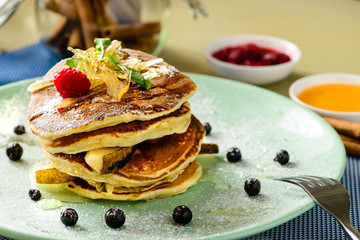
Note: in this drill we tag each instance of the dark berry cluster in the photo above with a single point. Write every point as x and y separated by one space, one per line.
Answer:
251 55
115 217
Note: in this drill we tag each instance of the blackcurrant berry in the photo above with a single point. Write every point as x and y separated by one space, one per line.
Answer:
115 217
252 186
207 127
19 129
233 154
14 151
282 157
182 215
69 217
34 194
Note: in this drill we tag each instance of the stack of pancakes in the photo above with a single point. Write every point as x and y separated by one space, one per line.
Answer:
141 147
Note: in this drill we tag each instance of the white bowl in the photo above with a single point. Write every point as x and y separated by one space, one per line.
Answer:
343 78
258 75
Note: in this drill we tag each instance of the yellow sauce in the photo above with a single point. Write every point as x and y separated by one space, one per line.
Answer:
333 97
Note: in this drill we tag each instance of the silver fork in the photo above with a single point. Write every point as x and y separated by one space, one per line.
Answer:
331 195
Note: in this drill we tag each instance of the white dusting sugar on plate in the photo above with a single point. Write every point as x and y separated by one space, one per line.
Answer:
257 121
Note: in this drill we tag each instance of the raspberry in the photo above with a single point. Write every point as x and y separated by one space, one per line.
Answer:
251 55
70 83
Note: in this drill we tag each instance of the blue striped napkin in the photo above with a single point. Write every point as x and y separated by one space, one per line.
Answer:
28 62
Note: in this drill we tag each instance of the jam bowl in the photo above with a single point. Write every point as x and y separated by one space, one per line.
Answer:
255 67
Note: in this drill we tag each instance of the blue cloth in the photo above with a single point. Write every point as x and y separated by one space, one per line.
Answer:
28 62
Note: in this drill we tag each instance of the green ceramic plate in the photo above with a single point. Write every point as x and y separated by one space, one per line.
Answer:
257 121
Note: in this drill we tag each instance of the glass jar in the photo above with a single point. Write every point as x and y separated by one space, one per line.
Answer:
138 24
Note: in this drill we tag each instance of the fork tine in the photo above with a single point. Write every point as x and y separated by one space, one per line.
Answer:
308 182
326 180
295 180
321 181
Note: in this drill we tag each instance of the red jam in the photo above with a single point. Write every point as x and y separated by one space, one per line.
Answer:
251 55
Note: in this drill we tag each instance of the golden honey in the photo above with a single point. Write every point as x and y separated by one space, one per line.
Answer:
334 97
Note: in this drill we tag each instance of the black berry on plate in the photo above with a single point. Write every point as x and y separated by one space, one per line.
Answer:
182 215
282 157
207 127
19 129
252 186
14 151
233 154
69 217
34 194
115 217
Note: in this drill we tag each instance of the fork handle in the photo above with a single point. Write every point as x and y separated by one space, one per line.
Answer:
350 230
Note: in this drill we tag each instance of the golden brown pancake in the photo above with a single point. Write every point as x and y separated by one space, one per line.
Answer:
167 94
185 180
151 162
122 135
139 147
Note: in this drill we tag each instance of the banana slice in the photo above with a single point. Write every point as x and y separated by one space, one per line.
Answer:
40 85
50 175
104 160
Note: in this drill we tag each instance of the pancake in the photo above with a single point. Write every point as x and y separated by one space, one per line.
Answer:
150 163
168 93
122 135
123 139
185 180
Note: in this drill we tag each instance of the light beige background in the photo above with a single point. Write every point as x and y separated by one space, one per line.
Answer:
327 31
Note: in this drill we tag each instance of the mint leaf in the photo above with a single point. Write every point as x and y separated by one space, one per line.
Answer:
73 62
102 44
139 79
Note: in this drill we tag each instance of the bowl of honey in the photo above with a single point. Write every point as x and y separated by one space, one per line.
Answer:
334 95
